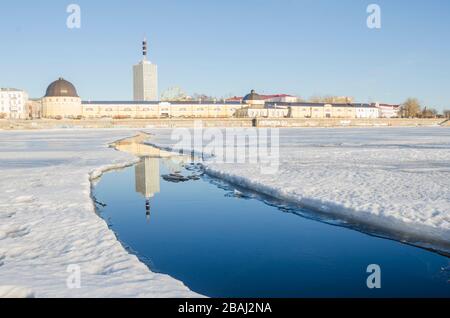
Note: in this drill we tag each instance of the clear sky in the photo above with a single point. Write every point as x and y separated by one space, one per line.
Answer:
220 48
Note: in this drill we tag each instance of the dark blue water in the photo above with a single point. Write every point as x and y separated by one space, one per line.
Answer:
223 243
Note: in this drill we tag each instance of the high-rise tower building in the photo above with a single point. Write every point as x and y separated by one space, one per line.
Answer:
145 78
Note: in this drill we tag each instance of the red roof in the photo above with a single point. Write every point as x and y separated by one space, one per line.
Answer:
388 106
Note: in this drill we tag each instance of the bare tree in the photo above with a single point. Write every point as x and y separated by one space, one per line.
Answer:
330 99
174 94
315 99
203 97
446 113
429 113
411 108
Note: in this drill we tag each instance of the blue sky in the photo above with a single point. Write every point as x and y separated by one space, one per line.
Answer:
229 47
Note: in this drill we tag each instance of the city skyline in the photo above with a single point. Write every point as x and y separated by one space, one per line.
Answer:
302 49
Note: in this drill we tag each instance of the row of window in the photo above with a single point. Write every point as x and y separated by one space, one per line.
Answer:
18 104
339 110
15 101
63 100
90 109
11 95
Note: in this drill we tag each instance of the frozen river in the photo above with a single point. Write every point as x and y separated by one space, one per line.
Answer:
390 182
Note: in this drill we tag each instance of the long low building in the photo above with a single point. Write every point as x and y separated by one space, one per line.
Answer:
310 110
62 101
142 110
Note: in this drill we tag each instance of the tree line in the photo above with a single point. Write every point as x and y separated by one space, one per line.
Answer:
412 108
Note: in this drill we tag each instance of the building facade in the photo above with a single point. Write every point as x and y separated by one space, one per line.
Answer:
388 111
152 110
34 108
145 79
13 103
366 111
312 110
62 101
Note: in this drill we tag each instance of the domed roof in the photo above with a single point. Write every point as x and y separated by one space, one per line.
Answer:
61 88
252 96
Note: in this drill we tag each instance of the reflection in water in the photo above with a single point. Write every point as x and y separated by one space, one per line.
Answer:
147 171
136 146
147 180
148 176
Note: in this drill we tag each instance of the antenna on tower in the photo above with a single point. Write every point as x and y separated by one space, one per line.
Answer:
144 48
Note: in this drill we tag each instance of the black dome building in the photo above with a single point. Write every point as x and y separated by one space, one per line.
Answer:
254 100
61 88
252 96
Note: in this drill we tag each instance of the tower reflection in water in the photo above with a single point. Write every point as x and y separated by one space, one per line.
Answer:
147 179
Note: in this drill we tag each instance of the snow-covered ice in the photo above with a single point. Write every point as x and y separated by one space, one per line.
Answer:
389 181
395 180
48 220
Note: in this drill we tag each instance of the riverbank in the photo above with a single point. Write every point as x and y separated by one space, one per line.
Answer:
216 122
49 228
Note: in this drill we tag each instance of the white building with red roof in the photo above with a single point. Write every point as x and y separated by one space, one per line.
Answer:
388 110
